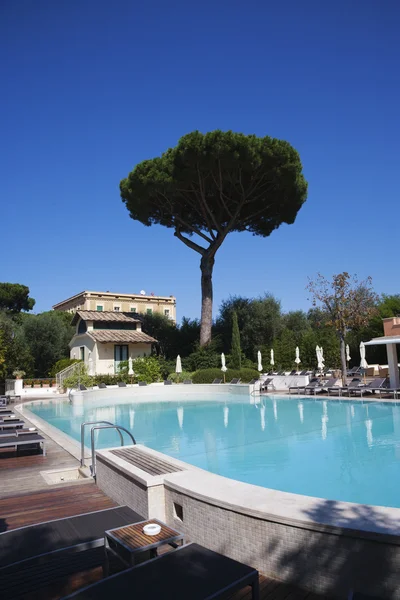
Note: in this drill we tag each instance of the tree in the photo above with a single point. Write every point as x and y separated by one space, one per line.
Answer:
236 352
14 298
349 304
47 336
163 330
259 322
14 348
214 184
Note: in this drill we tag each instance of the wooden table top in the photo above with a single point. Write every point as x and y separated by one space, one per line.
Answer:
133 537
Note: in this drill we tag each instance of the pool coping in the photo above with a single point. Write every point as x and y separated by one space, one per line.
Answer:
359 520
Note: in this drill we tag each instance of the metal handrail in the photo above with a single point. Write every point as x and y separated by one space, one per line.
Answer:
83 425
119 428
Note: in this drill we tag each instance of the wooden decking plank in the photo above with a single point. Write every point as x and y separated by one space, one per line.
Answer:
52 504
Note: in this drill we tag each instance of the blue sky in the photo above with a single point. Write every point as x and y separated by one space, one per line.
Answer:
89 89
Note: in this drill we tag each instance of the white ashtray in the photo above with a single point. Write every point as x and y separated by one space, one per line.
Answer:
152 529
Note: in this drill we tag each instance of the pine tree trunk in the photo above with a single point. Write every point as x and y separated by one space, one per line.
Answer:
206 266
343 359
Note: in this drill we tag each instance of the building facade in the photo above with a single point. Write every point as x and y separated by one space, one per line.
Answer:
103 339
126 303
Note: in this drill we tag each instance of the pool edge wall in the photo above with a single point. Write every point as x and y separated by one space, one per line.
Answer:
326 547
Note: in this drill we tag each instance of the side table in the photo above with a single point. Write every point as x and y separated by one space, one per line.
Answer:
128 542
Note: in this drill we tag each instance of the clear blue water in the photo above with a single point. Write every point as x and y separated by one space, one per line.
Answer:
329 449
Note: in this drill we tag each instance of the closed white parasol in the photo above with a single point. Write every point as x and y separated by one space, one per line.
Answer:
259 360
363 362
223 363
297 359
348 357
272 361
130 365
178 368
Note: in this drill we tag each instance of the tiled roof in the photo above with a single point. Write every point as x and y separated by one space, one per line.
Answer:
120 336
106 315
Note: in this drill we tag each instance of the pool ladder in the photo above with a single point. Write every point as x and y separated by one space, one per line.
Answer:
96 425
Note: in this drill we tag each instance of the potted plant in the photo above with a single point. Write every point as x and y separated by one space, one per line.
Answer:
18 373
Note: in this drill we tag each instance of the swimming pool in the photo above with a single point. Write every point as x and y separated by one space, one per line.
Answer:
329 449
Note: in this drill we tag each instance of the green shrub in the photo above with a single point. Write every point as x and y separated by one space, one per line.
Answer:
208 375
166 366
61 364
80 376
146 369
107 379
179 377
204 357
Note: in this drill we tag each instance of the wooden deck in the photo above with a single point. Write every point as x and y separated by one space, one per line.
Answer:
46 505
20 474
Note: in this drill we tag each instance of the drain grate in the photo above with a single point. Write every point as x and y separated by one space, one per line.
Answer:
145 461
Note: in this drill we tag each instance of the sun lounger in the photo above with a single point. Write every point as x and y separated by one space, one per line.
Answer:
11 424
187 381
82 387
71 533
17 441
5 411
217 380
121 384
142 383
189 572
301 388
168 382
372 387
3 401
353 371
355 382
266 383
346 390
102 386
235 381
13 431
253 381
331 383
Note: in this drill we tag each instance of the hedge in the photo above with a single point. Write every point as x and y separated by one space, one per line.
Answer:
208 375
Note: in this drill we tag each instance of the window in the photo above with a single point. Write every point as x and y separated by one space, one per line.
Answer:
149 311
166 312
99 308
133 309
114 325
82 352
120 354
82 327
117 308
